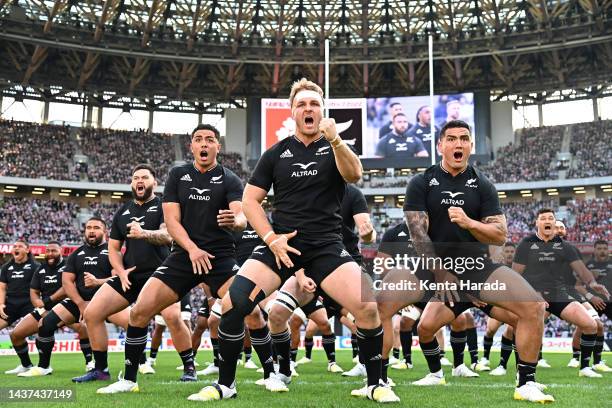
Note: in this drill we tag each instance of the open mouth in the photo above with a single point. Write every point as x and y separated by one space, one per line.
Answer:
140 188
203 154
309 120
458 155
547 227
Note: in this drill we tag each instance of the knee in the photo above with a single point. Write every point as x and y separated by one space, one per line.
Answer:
325 327
13 336
367 313
138 317
90 317
254 320
533 311
427 328
590 326
278 317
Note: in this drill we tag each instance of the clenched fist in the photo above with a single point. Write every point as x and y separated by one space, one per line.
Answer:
327 126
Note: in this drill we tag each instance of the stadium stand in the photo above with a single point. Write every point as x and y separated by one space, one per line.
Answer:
591 149
36 151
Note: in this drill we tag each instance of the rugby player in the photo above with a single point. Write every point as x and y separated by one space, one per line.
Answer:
309 172
456 208
201 206
541 258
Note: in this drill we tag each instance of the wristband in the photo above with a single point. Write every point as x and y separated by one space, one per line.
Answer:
336 142
589 296
268 235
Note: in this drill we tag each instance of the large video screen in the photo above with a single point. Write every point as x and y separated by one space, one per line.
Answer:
399 127
277 124
393 128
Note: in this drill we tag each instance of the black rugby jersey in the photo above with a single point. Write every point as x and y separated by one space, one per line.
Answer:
17 277
201 196
353 203
246 241
396 241
602 271
544 261
48 279
399 146
308 188
436 190
139 252
90 259
423 133
568 275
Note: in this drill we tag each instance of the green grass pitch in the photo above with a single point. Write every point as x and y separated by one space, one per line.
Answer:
315 387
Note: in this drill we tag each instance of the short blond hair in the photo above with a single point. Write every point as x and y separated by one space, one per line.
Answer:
303 85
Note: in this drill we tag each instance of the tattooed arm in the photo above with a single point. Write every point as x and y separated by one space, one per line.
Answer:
156 237
418 224
491 230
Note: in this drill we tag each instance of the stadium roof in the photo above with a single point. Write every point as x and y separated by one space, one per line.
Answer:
225 51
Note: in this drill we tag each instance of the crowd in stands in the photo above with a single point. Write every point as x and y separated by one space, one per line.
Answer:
104 211
38 220
593 220
591 148
36 151
530 159
113 153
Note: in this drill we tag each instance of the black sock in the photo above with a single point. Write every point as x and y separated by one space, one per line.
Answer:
135 343
354 345
442 352
576 352
517 358
230 346
187 359
274 356
308 344
396 352
262 342
240 356
22 353
487 343
215 345
282 344
587 343
101 359
506 351
143 357
406 340
45 347
86 349
526 372
247 353
370 346
432 354
294 354
472 343
329 345
458 340
598 349
153 353
384 368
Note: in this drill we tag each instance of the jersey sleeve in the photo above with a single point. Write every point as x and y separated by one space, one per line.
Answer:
571 253
262 176
416 197
359 204
71 263
419 145
35 282
521 254
171 188
3 273
234 189
490 199
115 230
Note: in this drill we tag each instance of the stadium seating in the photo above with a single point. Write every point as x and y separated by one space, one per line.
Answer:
592 220
591 148
113 153
36 151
